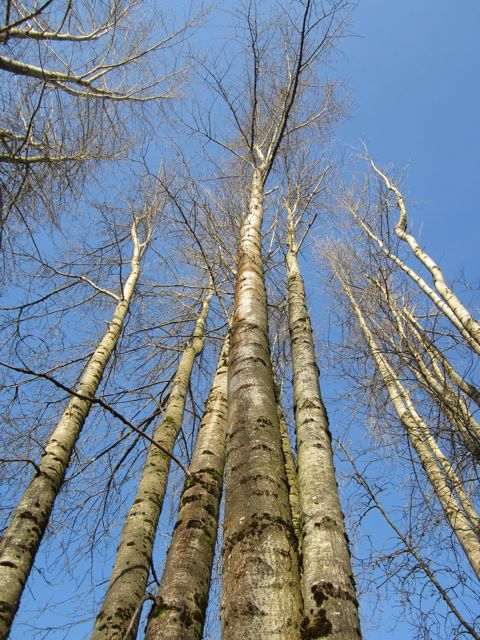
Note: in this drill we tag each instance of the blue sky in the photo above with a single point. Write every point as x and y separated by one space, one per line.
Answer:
413 71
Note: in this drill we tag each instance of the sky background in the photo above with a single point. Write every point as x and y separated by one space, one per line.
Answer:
412 67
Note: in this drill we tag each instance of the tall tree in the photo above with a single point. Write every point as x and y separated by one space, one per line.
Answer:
455 500
22 538
180 603
328 587
130 572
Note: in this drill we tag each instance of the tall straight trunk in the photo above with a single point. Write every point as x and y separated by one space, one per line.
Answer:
261 590
455 502
328 587
22 538
126 588
181 600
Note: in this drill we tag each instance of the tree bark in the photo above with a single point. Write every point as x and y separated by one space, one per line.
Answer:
128 581
328 586
261 591
181 600
30 519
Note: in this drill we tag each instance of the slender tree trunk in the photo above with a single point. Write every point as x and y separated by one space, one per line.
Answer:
462 517
291 472
467 321
441 364
128 581
181 600
328 586
261 591
438 301
29 521
432 378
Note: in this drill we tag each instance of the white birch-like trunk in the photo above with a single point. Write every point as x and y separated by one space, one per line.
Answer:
458 508
328 587
181 601
467 321
261 590
438 301
22 538
128 581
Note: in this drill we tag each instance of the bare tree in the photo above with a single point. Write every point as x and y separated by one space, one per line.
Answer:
180 603
130 572
73 73
328 587
447 485
27 526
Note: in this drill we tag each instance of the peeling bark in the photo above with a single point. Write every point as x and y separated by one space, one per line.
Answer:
30 519
128 581
328 587
181 600
261 594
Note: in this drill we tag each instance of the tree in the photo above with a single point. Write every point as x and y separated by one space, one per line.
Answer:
73 75
27 526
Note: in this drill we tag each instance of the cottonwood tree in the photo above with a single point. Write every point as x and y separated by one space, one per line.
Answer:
271 111
328 586
131 570
422 376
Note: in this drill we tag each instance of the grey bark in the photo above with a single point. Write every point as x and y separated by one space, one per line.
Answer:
129 577
261 594
181 600
328 586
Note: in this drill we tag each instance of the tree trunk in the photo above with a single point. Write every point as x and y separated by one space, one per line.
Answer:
328 586
181 600
462 517
30 519
129 577
261 591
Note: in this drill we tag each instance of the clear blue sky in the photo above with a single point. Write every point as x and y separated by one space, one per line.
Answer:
413 67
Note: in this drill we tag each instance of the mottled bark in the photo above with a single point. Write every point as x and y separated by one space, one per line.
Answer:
328 586
456 504
181 600
128 581
261 594
291 472
22 538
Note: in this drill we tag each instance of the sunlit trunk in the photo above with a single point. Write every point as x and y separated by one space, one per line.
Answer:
128 581
181 600
261 590
22 538
328 587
